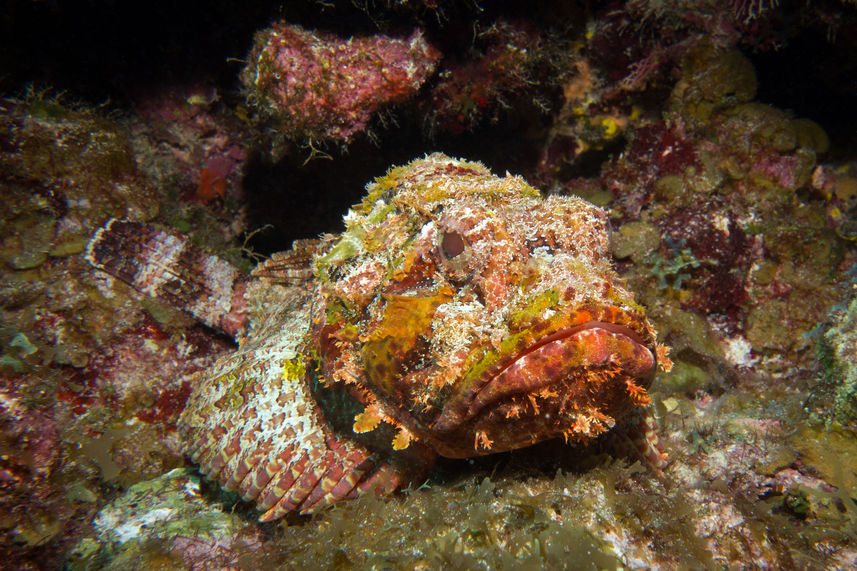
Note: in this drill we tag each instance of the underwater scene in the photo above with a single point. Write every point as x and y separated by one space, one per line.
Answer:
428 284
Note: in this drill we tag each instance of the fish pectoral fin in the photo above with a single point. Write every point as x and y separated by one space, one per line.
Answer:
636 438
260 431
346 470
170 268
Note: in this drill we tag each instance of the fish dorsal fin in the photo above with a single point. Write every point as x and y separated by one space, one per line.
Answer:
292 267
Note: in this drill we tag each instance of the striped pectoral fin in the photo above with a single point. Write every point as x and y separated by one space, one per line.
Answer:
169 267
302 484
648 443
385 480
240 468
636 437
340 481
304 476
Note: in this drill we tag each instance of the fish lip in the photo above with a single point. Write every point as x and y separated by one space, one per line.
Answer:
469 405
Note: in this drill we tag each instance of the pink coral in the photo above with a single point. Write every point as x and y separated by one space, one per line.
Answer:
320 86
473 89
187 128
656 150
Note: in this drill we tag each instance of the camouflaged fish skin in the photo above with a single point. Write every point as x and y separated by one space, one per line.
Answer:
459 314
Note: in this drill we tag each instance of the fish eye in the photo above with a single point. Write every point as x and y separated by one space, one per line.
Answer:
452 244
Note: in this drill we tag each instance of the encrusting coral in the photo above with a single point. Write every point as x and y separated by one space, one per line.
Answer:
316 86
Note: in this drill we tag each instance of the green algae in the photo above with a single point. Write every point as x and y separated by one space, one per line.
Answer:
25 345
596 196
711 79
635 240
810 135
784 325
759 124
38 529
672 189
670 270
763 325
685 378
687 332
474 524
29 241
832 452
156 522
836 355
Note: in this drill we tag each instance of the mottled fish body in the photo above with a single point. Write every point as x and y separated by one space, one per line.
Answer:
459 314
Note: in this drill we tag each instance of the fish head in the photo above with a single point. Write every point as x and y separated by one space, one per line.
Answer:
477 316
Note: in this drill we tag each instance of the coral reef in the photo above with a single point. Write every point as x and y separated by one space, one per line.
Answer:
186 139
713 205
716 136
91 381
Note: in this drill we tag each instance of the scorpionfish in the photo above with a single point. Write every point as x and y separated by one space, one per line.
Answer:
459 314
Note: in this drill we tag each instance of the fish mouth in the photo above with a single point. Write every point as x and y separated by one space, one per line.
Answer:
588 346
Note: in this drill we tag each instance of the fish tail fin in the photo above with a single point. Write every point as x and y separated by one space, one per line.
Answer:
170 268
